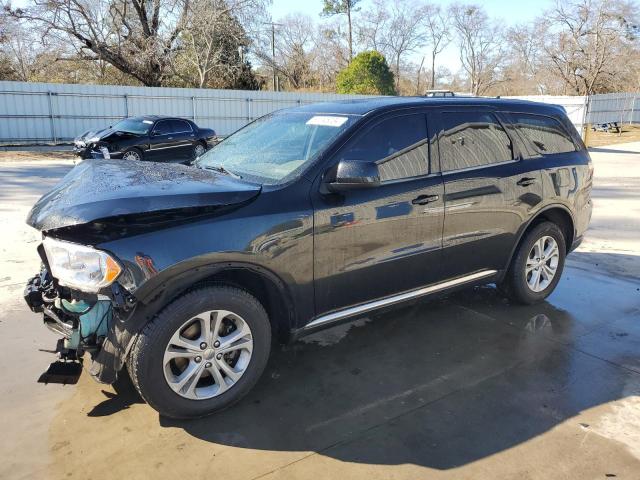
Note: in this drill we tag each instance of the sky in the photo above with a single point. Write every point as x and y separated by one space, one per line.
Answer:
510 12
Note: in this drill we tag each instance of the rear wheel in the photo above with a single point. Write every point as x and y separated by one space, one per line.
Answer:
198 149
202 353
536 268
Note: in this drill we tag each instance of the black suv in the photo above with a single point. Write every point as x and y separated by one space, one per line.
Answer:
302 219
150 137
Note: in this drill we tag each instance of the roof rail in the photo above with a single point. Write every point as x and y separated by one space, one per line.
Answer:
439 93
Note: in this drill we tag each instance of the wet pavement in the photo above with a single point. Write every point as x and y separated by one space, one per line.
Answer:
466 386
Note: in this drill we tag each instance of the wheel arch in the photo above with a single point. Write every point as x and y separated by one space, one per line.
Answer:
556 213
270 290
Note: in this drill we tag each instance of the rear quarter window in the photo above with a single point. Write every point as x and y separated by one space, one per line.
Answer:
546 134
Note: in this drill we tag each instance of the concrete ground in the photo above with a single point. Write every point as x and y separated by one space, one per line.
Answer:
464 387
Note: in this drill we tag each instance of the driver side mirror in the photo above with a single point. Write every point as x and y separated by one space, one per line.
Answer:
354 174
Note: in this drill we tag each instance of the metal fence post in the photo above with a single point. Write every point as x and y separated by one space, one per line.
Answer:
52 118
585 118
126 105
193 109
248 102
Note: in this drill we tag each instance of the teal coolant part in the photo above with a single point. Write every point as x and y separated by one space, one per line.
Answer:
95 321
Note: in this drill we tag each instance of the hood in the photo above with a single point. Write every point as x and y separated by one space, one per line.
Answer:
97 189
94 136
99 133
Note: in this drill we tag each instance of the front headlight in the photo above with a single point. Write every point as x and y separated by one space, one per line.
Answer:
80 267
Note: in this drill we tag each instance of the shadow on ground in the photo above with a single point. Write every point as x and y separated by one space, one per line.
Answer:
444 383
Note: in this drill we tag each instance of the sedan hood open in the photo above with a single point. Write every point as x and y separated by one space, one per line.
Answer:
97 189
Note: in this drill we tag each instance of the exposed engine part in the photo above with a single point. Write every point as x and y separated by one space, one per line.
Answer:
56 325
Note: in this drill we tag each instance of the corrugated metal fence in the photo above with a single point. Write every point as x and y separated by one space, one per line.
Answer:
55 113
614 107
32 113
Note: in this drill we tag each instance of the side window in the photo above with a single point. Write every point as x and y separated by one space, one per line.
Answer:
162 128
546 134
472 139
179 126
398 145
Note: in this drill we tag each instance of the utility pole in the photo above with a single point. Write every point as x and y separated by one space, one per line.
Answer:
276 80
273 56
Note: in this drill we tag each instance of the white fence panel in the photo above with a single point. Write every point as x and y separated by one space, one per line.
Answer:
574 106
48 112
51 112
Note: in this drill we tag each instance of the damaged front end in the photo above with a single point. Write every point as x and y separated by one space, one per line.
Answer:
88 289
84 320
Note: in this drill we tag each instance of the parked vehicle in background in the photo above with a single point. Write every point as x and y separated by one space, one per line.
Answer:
301 220
153 138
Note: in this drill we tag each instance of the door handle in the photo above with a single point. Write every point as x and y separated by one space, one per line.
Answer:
424 199
526 181
169 138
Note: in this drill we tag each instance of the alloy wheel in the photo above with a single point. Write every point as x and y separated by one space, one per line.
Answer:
542 263
131 155
198 150
208 354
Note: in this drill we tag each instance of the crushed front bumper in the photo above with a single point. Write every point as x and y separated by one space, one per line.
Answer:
86 323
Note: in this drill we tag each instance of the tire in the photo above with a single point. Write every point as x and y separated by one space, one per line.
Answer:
182 320
519 283
198 149
124 386
133 155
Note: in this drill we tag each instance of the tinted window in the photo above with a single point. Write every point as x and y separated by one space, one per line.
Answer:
162 128
546 133
397 144
178 126
472 139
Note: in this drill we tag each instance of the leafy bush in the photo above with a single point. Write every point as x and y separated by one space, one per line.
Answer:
367 74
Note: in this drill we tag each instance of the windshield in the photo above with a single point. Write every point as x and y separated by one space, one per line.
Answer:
133 125
275 148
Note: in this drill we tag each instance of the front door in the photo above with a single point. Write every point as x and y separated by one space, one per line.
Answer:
489 190
380 241
161 141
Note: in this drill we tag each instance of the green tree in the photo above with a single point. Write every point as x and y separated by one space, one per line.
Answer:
367 74
342 7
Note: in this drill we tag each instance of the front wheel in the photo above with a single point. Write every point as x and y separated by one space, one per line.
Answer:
132 154
537 265
202 353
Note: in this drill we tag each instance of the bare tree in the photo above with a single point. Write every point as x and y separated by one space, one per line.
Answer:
330 55
437 35
588 38
138 37
342 7
479 41
397 32
214 39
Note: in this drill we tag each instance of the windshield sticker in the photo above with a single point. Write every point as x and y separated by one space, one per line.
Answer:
325 121
147 121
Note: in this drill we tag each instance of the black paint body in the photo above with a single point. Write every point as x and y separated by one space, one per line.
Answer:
154 146
306 251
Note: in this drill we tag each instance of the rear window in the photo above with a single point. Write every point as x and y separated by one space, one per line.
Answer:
547 134
472 139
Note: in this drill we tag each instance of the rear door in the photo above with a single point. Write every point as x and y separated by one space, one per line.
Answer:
490 191
183 139
376 242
